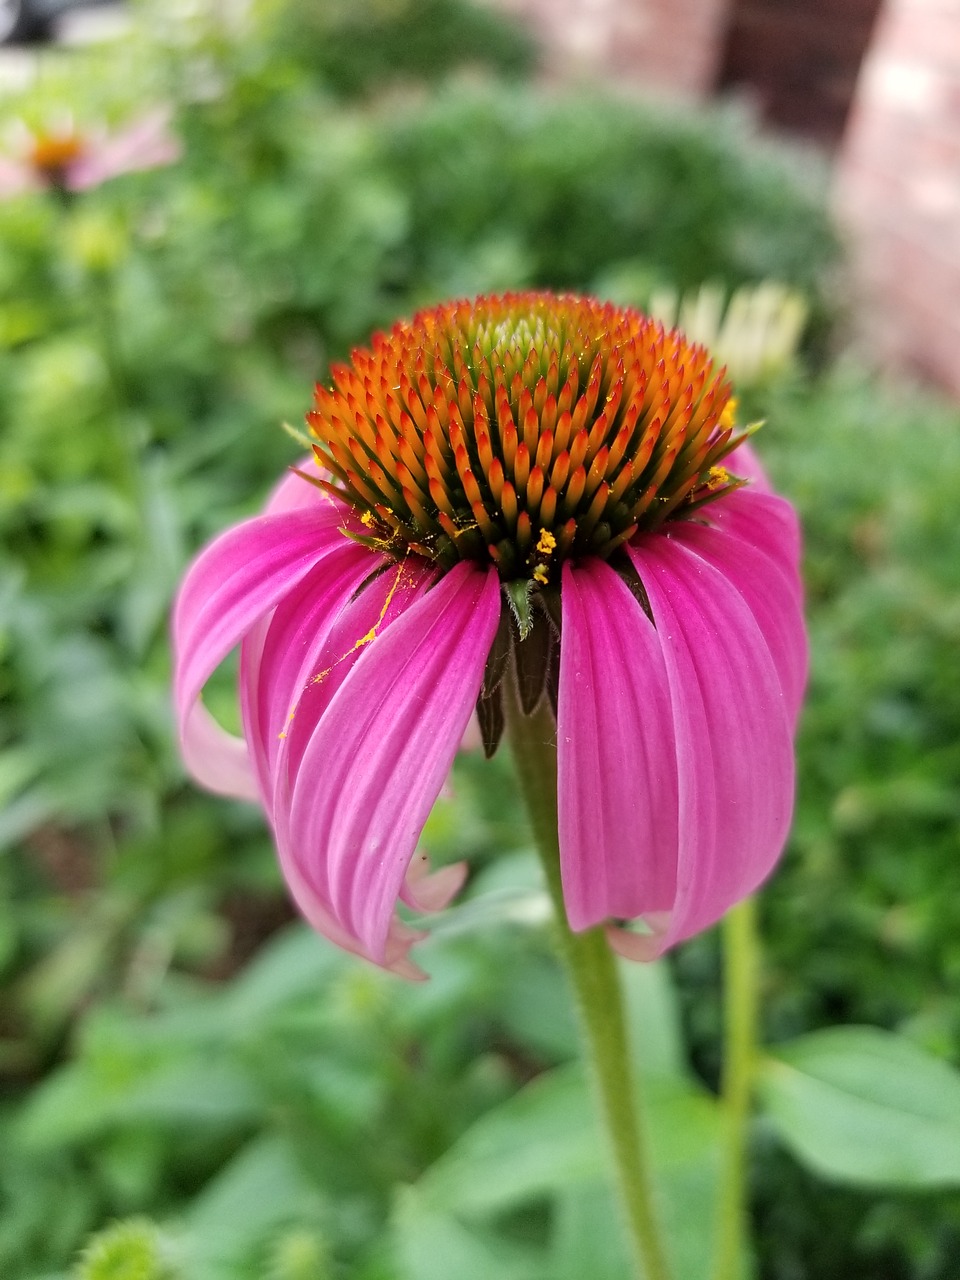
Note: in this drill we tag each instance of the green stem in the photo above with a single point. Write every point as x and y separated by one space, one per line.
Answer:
740 1040
100 294
593 973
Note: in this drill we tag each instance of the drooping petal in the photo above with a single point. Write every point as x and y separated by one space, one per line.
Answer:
239 578
267 681
616 757
218 760
744 462
294 491
382 748
374 609
766 522
345 624
765 572
282 655
643 946
16 177
425 890
145 144
337 647
733 733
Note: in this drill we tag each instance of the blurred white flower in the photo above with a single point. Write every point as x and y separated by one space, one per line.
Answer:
754 332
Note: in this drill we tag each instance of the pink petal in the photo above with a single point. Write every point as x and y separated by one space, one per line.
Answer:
283 653
217 760
733 733
146 144
340 641
382 748
766 575
235 581
745 463
616 757
16 178
472 737
425 890
766 522
294 491
273 659
640 946
367 617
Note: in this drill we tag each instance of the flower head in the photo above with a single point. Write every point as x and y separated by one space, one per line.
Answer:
66 159
532 492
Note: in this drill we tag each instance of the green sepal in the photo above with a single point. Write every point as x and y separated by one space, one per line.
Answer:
301 437
490 718
519 595
498 657
533 658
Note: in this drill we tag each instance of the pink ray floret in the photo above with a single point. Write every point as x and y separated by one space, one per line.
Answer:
367 599
66 159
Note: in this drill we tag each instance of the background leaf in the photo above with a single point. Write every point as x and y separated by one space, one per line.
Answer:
866 1106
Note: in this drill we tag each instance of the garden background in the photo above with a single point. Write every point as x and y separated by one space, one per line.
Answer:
180 1056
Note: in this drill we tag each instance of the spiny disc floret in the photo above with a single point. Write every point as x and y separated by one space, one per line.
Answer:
523 429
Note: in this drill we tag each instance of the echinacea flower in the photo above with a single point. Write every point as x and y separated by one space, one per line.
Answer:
66 159
531 496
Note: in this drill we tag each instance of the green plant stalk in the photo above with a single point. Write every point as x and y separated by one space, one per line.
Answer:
740 1052
592 970
100 294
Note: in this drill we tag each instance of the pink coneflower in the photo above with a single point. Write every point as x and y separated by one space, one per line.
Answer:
65 159
528 496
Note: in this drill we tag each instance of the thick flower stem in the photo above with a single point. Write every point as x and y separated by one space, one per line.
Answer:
740 1037
593 973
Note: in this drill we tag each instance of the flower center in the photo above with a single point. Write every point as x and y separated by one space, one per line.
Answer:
524 429
51 155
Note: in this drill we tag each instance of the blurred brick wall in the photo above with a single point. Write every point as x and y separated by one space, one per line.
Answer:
669 48
798 59
898 166
898 187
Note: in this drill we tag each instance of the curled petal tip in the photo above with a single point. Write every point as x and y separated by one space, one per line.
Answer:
396 958
428 891
640 946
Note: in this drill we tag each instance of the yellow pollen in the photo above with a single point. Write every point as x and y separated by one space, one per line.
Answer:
547 543
728 418
364 640
372 633
717 477
541 575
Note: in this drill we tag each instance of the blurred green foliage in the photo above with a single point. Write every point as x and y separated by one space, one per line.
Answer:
273 1108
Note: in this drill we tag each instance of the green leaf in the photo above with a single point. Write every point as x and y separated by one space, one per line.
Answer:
542 1138
545 1143
261 1189
432 1245
546 1137
653 1020
291 965
589 1239
860 1105
80 1100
